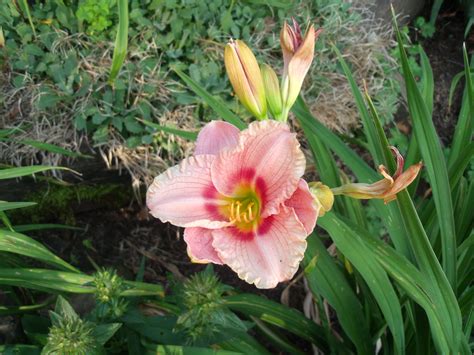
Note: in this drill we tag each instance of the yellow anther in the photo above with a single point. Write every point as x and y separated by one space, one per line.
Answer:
237 213
232 216
249 208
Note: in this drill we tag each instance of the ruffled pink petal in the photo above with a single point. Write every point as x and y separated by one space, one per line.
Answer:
268 256
268 158
200 249
215 136
185 195
302 202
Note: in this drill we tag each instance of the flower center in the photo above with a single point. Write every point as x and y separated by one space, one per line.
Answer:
243 210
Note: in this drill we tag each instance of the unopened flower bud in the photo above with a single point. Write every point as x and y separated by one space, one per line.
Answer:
2 38
245 77
272 91
298 53
323 197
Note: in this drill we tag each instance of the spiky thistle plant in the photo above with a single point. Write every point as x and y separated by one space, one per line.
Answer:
69 334
109 287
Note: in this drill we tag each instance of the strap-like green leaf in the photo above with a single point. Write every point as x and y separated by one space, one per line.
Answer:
327 280
276 314
435 164
171 130
121 41
17 243
11 173
333 142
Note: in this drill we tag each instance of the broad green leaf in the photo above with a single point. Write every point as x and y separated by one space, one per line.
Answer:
121 41
17 243
326 279
278 315
11 173
214 103
435 164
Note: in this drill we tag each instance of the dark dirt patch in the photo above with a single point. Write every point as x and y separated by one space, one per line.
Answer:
445 52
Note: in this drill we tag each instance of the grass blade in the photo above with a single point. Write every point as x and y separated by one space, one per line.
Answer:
214 103
54 149
5 206
12 173
192 136
121 41
26 10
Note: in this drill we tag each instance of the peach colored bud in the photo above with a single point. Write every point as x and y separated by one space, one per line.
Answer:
298 53
2 39
385 189
245 77
272 91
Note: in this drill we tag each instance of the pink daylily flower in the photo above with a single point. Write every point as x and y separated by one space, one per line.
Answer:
242 200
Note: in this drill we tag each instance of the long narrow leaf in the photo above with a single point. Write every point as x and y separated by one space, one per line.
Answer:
17 243
121 41
433 157
331 140
12 173
326 279
276 314
404 273
214 103
171 130
464 127
54 149
5 206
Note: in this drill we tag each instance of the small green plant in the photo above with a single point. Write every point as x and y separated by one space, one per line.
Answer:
425 28
95 15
